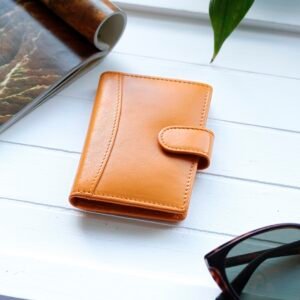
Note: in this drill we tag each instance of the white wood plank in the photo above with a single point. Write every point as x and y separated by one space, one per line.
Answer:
264 12
257 154
45 177
189 8
189 40
54 254
235 206
59 123
176 5
36 175
276 12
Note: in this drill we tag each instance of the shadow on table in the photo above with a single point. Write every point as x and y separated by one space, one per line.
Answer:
9 298
99 224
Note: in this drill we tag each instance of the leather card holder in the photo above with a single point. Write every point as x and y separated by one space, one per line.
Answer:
145 142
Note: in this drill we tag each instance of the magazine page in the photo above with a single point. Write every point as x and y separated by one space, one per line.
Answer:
39 51
100 22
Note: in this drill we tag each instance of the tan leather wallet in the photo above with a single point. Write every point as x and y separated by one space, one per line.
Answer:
145 140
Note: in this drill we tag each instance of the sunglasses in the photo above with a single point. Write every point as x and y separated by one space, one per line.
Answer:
263 264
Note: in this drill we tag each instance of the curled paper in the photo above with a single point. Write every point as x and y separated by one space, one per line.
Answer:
44 44
99 21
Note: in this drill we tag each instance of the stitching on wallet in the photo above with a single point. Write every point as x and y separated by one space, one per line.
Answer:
188 184
114 196
163 79
94 182
195 150
189 177
188 128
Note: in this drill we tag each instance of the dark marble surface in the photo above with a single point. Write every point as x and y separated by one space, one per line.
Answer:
37 49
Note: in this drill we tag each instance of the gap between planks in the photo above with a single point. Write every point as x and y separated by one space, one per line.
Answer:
169 29
69 152
79 213
212 66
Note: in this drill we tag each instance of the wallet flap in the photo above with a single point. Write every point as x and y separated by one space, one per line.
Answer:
188 140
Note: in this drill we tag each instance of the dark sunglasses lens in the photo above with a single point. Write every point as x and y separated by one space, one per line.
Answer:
266 266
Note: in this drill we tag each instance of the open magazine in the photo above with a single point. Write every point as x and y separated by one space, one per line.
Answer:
44 43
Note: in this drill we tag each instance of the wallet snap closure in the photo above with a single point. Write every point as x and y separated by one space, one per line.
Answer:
188 140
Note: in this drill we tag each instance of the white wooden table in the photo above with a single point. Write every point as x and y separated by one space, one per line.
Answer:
49 250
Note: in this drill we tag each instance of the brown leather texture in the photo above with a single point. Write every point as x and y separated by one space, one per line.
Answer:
146 139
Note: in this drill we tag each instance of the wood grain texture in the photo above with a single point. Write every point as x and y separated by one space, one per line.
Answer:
71 248
37 49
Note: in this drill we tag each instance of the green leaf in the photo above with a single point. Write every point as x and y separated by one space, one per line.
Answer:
225 16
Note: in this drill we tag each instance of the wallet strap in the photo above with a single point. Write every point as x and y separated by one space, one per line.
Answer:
188 140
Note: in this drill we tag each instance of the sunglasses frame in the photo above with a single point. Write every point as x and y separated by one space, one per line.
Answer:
215 260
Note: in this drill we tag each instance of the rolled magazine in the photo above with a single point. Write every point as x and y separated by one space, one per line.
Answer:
44 43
